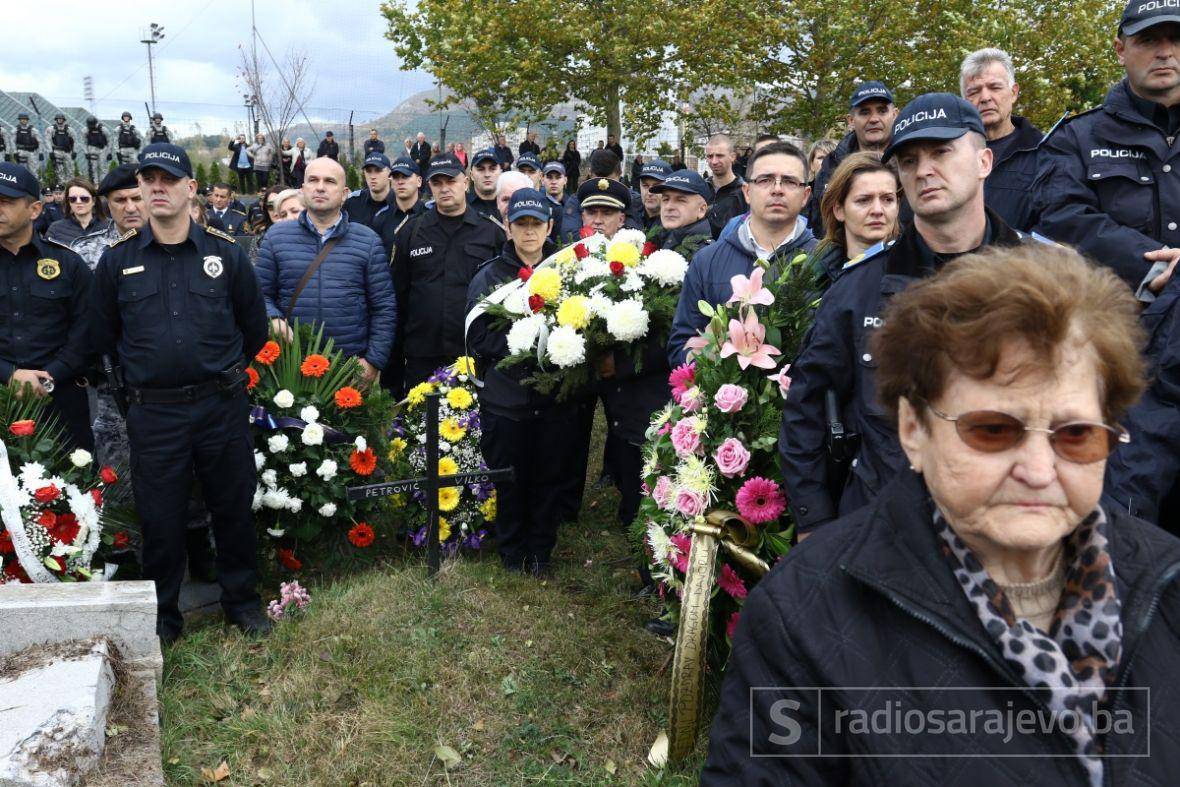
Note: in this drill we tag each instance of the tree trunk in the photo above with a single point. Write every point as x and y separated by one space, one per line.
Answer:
613 119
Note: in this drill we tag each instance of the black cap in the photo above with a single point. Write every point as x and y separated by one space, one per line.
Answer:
528 160
327 133
870 91
656 168
16 181
685 180
487 154
528 202
376 160
554 166
23 116
406 166
444 164
604 192
121 177
1142 14
933 116
168 157
46 191
58 187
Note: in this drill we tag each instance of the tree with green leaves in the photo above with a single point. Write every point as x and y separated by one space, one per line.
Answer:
215 171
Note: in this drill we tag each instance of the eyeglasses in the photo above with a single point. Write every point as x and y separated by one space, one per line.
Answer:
1080 442
83 198
767 182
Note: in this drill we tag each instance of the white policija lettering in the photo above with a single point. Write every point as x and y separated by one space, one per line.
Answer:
919 117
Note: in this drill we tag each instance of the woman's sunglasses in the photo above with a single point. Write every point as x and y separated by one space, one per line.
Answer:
1080 442
83 198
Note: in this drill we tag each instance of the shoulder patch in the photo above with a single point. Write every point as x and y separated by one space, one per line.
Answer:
868 254
130 234
219 233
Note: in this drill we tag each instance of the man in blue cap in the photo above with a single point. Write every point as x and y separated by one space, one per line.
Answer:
645 207
684 206
528 164
45 320
179 313
871 113
406 201
485 172
943 160
370 204
567 212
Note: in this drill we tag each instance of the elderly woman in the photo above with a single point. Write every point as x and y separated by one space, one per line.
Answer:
288 205
859 209
997 608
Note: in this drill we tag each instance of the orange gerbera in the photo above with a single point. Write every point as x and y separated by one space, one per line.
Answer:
251 378
363 462
269 353
348 398
314 366
361 535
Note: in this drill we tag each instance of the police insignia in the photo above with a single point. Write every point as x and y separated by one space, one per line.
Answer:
48 268
603 184
213 266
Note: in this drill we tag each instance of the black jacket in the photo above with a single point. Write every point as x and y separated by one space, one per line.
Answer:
329 148
1009 188
235 150
363 209
729 201
431 274
529 147
393 221
848 144
374 146
871 602
503 392
420 152
572 161
836 356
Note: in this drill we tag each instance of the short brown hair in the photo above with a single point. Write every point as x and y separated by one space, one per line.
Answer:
1042 294
855 165
100 212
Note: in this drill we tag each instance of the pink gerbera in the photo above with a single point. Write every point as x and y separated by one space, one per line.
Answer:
731 583
760 500
681 379
731 626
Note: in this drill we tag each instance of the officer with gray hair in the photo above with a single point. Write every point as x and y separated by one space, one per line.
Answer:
988 80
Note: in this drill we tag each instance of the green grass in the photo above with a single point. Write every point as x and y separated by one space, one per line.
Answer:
530 682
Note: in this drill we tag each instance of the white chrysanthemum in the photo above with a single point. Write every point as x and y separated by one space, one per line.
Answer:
517 301
298 470
591 268
313 434
661 544
327 509
259 460
628 235
256 503
665 267
361 443
326 470
31 474
277 443
632 282
310 414
693 473
80 457
284 398
270 478
294 505
627 320
600 305
594 243
566 347
522 336
277 499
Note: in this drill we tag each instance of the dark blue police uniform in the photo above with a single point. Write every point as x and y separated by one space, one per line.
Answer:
181 321
1008 190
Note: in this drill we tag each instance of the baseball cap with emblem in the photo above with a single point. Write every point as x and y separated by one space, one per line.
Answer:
604 192
121 177
404 165
379 160
1142 14
168 157
528 202
933 116
687 181
870 91
16 181
444 164
656 168
487 154
554 166
528 160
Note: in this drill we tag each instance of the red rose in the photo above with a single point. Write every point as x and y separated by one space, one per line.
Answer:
108 475
586 231
288 559
6 547
616 268
581 252
47 494
47 520
525 273
122 540
536 303
96 495
22 428
649 248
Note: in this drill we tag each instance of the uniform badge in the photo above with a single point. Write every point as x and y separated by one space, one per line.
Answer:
603 184
213 266
48 268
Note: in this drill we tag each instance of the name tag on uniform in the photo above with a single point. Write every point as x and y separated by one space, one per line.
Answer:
136 269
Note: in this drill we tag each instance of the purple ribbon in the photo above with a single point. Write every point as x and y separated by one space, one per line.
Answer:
260 417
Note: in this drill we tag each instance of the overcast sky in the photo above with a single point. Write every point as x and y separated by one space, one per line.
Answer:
56 45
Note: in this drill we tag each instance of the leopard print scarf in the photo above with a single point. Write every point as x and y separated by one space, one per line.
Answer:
1071 667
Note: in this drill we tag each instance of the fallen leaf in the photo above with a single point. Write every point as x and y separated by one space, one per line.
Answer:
248 713
218 774
528 643
266 774
658 756
558 756
448 756
610 767
478 726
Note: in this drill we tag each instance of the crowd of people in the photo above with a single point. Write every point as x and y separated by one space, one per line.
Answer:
995 509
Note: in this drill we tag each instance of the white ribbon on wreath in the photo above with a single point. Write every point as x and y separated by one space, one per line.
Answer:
14 521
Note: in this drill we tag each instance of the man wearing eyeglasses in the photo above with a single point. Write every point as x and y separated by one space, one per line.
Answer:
773 231
942 157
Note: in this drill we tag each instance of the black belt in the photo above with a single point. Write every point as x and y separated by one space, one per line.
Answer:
229 380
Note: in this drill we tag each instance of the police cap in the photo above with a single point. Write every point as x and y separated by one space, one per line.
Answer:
16 181
528 160
404 165
656 168
870 91
528 202
1142 14
687 181
444 164
379 160
933 116
487 154
554 166
168 157
604 192
119 178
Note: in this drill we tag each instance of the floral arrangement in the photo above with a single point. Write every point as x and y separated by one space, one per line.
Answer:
317 433
293 598
585 301
464 511
713 448
52 526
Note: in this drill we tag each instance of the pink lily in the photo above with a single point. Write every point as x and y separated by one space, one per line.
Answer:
695 345
750 290
745 341
784 382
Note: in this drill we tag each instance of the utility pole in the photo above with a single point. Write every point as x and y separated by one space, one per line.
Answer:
88 92
154 35
351 138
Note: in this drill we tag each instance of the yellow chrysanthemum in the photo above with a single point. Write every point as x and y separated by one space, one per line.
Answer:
397 447
574 311
545 282
417 394
450 430
624 252
459 398
448 498
465 364
447 466
444 529
488 508
566 256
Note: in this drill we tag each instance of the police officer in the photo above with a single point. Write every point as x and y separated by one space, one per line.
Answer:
436 256
231 219
50 211
157 131
567 212
521 428
684 209
406 203
368 206
646 210
96 148
128 140
604 203
45 299
4 151
61 142
179 309
27 140
1109 178
485 171
528 164
943 161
